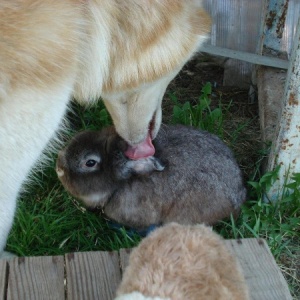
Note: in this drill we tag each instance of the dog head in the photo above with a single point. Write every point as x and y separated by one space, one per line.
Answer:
137 115
151 48
143 46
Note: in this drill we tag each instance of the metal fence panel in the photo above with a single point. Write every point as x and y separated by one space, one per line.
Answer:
236 23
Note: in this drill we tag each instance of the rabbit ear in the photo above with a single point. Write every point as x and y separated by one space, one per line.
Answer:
146 166
125 168
112 141
159 165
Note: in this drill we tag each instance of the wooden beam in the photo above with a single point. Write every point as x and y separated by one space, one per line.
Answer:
245 56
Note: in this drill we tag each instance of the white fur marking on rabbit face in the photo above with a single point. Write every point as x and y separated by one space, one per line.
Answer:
95 199
60 172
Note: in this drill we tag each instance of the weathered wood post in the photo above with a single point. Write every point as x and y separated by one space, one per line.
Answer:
286 146
270 81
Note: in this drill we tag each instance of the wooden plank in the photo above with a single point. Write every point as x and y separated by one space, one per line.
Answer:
36 278
92 275
263 276
124 258
245 56
3 278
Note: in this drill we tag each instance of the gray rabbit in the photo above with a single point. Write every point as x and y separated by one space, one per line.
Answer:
192 178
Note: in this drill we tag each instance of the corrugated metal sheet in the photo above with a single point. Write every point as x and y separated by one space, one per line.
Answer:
237 25
291 25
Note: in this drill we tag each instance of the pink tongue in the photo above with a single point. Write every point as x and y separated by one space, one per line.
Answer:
142 150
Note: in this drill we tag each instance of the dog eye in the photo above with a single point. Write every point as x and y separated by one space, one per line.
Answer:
90 163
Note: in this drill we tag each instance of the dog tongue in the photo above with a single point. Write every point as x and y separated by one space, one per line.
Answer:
142 150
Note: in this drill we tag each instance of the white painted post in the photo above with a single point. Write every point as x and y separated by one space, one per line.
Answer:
286 147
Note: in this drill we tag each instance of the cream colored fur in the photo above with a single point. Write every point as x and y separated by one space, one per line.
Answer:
183 262
51 50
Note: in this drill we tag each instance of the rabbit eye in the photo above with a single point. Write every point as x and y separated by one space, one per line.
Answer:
90 163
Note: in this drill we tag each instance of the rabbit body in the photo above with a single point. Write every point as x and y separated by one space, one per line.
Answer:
192 178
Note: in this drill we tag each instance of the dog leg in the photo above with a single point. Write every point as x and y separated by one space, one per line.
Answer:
28 120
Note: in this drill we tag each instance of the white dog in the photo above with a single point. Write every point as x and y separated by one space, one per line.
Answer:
127 52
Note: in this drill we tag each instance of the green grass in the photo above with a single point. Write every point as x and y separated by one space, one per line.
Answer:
51 222
200 115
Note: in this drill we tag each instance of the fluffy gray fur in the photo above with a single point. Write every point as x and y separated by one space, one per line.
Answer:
193 177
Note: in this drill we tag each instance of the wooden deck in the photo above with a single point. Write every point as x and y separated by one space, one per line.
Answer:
96 275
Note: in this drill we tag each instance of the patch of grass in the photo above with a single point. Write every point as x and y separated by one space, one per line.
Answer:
51 222
93 117
199 115
202 115
277 221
